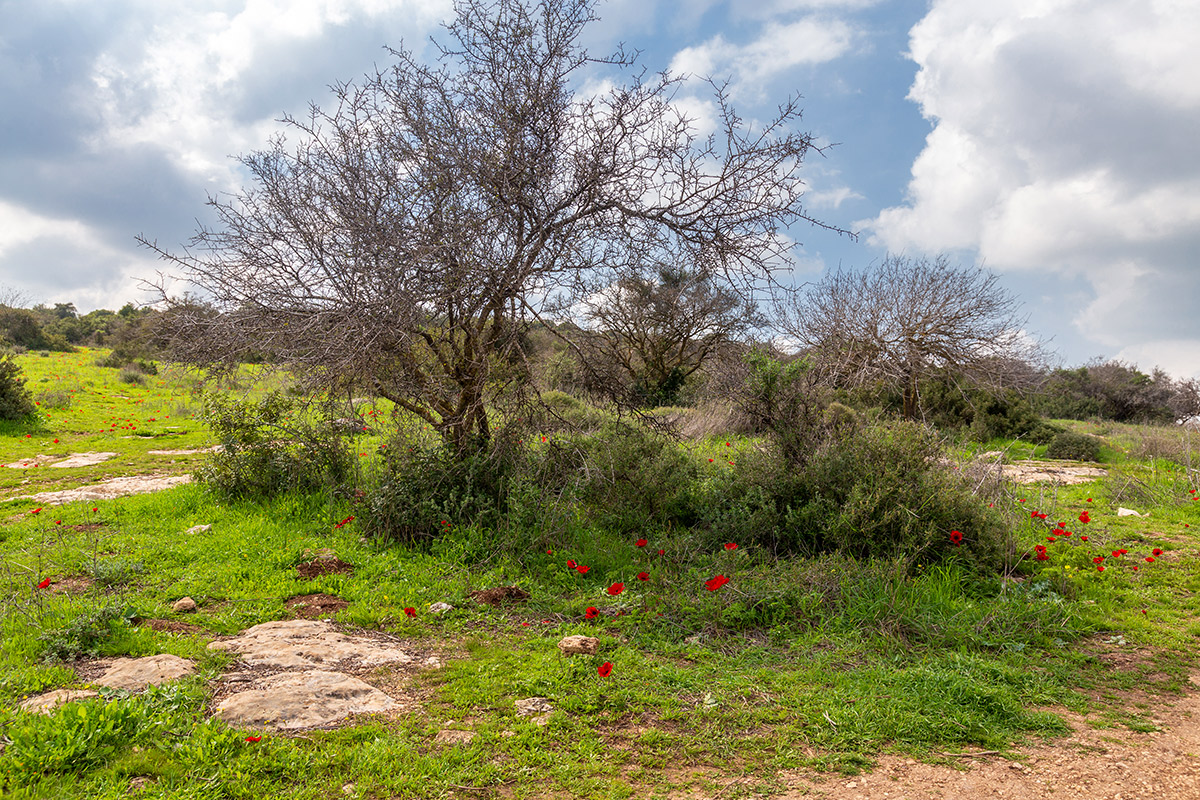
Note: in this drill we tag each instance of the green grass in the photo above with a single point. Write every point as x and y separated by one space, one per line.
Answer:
820 662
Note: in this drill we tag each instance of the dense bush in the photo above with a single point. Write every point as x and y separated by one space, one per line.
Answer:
1074 446
879 491
426 488
271 446
15 400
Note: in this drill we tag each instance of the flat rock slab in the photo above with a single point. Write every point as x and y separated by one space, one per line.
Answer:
138 673
309 699
27 463
46 703
82 460
1050 472
304 644
216 448
109 489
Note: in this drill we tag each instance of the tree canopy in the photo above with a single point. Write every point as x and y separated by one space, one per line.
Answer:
407 235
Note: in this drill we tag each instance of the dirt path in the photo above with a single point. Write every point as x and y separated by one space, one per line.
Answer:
1097 764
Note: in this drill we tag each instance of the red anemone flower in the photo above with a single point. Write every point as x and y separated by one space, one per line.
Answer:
1083 538
410 612
616 589
571 563
582 570
605 669
731 545
956 537
712 584
643 576
1100 568
591 612
1097 559
662 552
1149 559
641 543
1157 551
1084 518
45 582
253 739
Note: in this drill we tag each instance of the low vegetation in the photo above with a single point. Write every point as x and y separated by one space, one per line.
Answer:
756 611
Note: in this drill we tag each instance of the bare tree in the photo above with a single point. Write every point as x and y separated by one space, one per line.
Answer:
414 231
656 331
905 319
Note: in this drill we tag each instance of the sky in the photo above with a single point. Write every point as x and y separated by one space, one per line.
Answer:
1055 143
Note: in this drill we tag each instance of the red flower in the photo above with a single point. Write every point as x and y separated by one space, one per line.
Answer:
410 612
1089 499
616 589
253 738
591 612
549 552
1116 553
1083 538
643 576
1064 533
45 582
641 543
1051 539
571 563
664 552
956 537
1149 559
605 669
712 584
1084 518
582 570
1100 568
35 511
1042 556
1097 559
710 461
731 545
1157 551
1062 524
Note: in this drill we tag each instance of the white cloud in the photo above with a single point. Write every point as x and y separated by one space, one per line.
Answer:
175 88
778 48
1064 140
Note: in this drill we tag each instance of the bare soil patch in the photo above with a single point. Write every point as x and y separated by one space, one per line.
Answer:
72 584
175 626
323 566
499 595
314 606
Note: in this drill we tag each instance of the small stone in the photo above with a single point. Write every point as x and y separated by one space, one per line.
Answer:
585 645
533 705
347 788
451 736
440 608
184 605
199 529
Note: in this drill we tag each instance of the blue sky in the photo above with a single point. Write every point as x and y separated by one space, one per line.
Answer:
1052 141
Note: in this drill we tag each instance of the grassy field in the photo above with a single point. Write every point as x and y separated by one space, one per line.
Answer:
822 662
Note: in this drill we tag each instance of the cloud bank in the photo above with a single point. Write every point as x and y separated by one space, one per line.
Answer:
1064 140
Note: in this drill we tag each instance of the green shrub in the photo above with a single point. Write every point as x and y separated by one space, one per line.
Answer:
270 447
74 738
425 488
132 376
15 400
84 635
1074 446
111 572
54 400
878 491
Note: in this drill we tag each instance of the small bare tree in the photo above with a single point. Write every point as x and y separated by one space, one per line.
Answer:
905 319
655 331
411 234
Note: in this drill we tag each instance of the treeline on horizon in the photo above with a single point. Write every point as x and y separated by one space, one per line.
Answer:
1100 389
